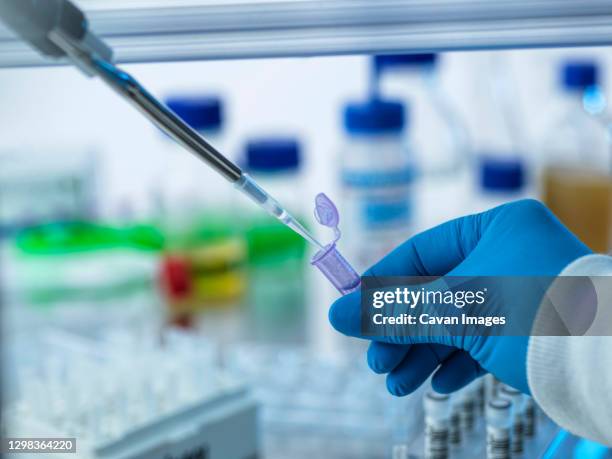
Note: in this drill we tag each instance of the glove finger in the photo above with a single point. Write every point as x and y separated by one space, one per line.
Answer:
456 372
345 314
384 357
419 363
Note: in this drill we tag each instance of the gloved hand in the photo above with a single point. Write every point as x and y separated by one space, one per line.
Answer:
522 238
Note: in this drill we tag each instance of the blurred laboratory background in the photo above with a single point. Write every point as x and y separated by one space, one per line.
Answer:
150 310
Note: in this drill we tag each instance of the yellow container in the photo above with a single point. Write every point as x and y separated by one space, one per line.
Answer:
582 200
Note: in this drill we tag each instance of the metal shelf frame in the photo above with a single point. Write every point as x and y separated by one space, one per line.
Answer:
179 30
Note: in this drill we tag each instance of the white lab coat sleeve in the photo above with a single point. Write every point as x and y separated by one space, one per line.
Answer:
570 377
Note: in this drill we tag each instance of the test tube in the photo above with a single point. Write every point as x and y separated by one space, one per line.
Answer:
499 422
480 394
455 420
516 398
491 384
437 424
468 408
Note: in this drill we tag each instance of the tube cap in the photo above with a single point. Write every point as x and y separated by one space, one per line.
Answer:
386 61
199 112
501 174
374 116
579 74
437 406
515 397
272 154
499 413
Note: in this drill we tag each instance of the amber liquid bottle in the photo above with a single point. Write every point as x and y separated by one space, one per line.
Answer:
582 200
576 179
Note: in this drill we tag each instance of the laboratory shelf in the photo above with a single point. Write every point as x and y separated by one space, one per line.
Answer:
155 30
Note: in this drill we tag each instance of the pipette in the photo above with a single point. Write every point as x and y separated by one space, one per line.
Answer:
59 29
129 88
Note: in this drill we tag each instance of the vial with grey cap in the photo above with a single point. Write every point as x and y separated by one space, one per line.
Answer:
530 418
516 398
468 407
437 425
499 424
455 420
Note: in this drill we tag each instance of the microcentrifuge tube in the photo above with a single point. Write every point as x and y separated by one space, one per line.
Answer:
516 398
437 425
328 260
499 420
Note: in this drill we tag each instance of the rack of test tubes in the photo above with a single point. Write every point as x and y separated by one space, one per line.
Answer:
119 396
312 403
485 419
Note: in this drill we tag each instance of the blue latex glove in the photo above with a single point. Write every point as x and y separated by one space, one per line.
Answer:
522 238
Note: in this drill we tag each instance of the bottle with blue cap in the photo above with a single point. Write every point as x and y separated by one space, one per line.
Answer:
437 133
503 165
377 175
205 254
577 175
186 182
276 255
501 177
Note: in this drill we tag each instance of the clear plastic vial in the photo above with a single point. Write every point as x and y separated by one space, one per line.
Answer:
517 400
437 425
480 393
455 420
491 387
530 418
376 177
468 407
499 425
